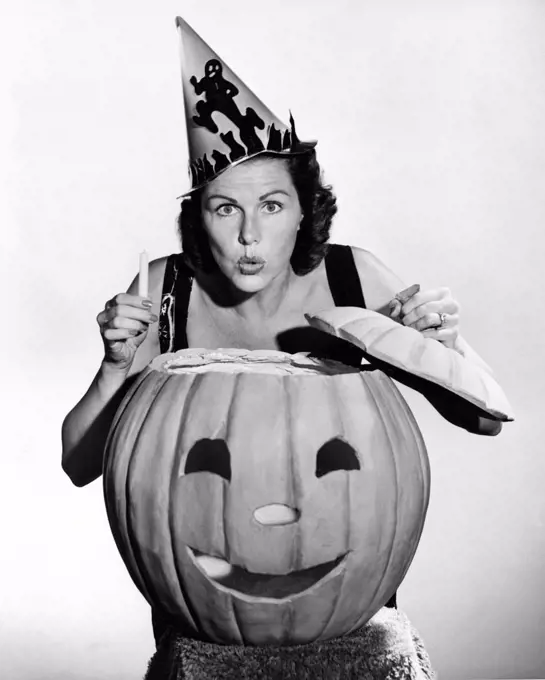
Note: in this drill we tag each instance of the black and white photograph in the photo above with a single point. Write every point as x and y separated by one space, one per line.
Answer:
273 340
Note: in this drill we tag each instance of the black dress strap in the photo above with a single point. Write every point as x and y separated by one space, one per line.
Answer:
177 283
344 284
342 276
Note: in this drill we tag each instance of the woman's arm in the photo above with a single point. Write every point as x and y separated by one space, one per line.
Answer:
85 428
380 285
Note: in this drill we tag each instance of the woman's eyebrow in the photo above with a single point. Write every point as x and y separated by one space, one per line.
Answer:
270 193
222 197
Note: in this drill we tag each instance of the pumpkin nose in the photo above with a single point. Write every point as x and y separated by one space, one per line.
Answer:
276 513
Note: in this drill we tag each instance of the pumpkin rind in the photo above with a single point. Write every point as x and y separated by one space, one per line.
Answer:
368 521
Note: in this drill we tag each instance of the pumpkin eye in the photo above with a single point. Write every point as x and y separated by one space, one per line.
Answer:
209 455
336 454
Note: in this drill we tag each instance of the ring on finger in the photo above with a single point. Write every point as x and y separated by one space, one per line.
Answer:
442 319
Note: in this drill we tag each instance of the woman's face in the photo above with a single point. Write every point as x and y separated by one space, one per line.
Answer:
251 214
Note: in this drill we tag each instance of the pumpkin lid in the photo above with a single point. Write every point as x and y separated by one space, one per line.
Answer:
406 348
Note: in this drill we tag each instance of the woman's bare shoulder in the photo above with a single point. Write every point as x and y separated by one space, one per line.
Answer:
379 283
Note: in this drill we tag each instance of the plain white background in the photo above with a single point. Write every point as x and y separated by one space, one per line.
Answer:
429 117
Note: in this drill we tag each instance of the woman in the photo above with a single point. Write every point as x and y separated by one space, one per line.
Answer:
255 242
255 260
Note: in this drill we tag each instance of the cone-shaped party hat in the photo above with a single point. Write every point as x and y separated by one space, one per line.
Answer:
226 122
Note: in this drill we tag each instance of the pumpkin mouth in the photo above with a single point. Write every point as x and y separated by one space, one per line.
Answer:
276 586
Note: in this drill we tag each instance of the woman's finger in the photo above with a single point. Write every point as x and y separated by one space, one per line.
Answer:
124 299
426 296
129 312
137 318
404 295
400 299
423 312
125 322
446 306
130 306
115 334
447 336
395 308
435 320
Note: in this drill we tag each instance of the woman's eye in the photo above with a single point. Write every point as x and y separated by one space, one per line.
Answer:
272 207
226 210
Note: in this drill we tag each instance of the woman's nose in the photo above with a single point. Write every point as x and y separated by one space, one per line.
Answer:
249 230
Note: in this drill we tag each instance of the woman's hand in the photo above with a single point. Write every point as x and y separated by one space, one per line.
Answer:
124 324
435 313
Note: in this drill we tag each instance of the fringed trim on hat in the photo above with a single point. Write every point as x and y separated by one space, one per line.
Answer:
283 143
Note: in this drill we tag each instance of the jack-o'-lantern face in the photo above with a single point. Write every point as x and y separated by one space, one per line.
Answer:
266 505
212 457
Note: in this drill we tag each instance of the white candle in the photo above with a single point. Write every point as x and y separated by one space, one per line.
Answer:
143 275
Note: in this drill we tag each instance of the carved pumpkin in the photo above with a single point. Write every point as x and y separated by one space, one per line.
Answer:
265 498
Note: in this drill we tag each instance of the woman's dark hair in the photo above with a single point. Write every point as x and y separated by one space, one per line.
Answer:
318 204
